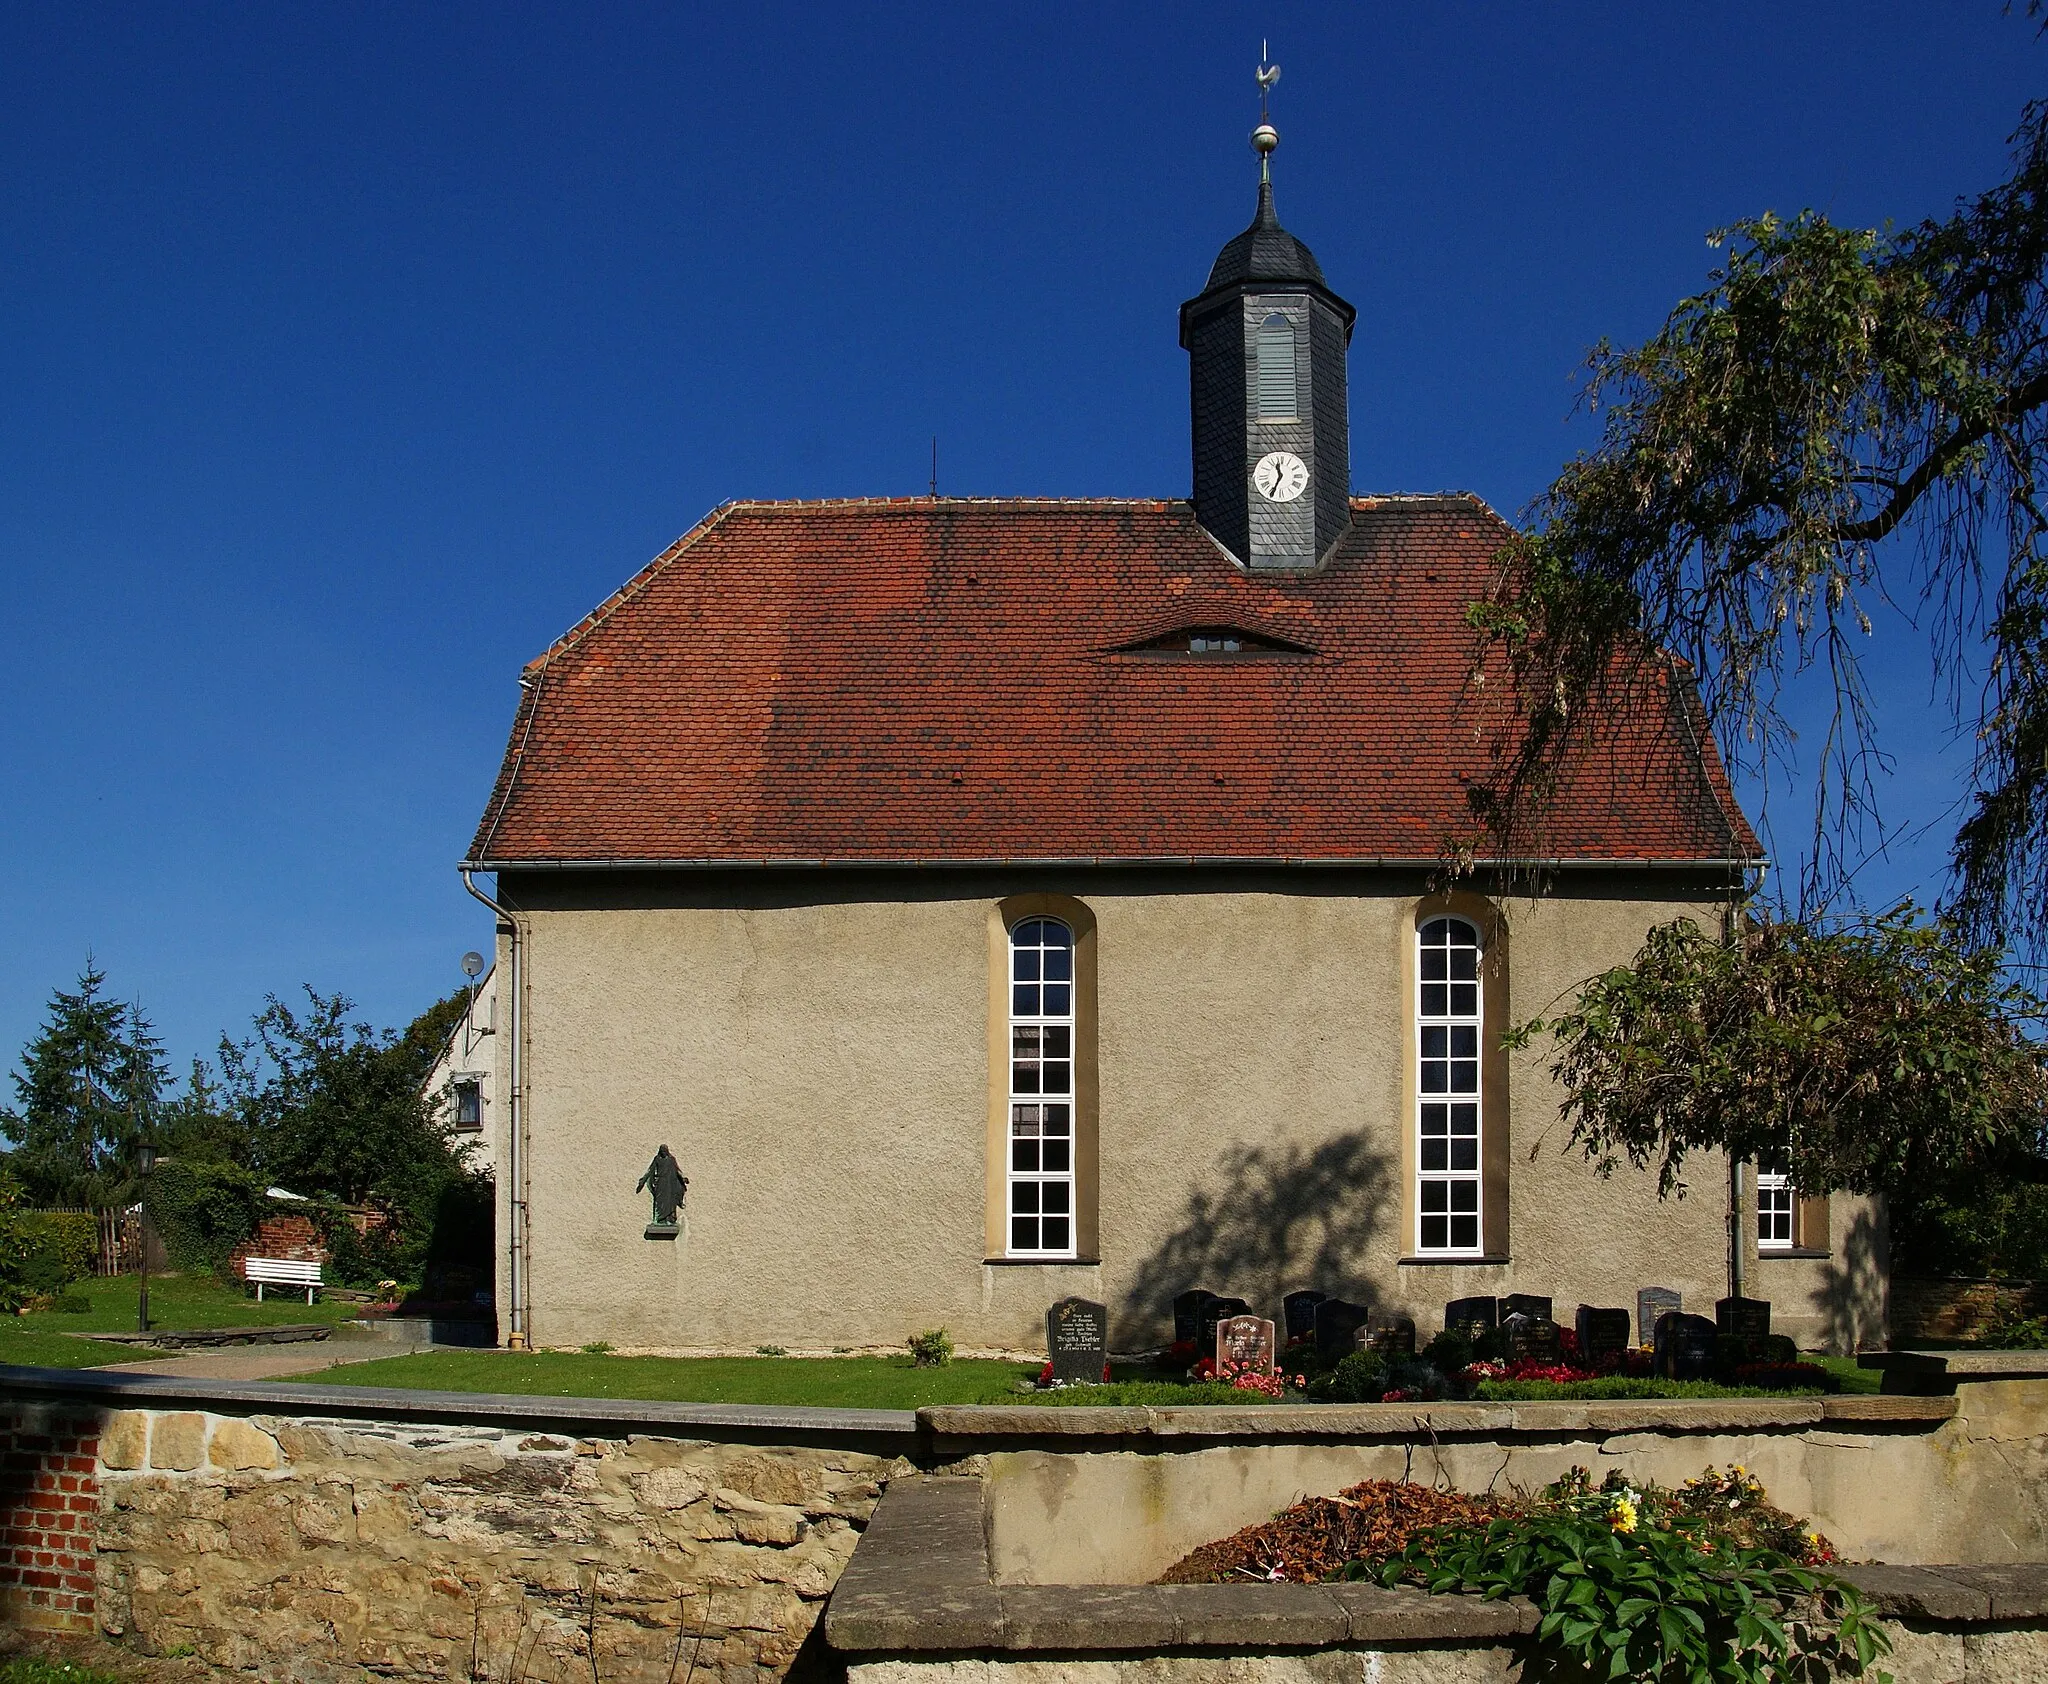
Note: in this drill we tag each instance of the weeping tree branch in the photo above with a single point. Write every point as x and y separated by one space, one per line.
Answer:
1763 457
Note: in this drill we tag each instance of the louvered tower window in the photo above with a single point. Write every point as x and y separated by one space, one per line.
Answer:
1277 397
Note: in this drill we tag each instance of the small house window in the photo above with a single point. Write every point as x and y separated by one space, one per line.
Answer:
1774 1205
1447 1021
1278 399
1041 1167
469 1105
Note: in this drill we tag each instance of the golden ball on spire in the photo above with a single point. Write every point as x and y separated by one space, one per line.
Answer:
1264 138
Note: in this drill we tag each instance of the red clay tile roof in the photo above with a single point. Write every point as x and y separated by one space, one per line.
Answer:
915 681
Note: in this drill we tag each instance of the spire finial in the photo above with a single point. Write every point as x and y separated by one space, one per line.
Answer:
1265 137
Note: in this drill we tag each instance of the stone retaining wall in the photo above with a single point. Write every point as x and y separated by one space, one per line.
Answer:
438 1537
923 1602
296 1546
1925 1307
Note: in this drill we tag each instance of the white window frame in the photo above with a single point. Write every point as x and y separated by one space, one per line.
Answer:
1033 1174
1777 1207
1440 1111
474 1082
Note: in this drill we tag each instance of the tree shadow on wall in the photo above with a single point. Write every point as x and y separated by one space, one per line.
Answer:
1265 1221
1852 1294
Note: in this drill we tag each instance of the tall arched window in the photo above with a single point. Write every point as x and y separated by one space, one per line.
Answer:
1041 1166
1447 1156
1278 398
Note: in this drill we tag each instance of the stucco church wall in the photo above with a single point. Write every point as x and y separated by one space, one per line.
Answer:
816 1055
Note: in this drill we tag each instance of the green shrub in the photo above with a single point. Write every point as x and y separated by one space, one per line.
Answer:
71 1304
2007 1330
57 1248
1621 1386
203 1211
1358 1378
1144 1394
1626 1592
931 1348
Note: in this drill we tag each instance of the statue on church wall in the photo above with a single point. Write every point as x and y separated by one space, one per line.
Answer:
666 1185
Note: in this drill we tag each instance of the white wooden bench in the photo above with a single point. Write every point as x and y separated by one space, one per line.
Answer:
281 1271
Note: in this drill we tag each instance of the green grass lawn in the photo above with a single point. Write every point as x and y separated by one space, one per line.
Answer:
1844 1369
840 1382
175 1301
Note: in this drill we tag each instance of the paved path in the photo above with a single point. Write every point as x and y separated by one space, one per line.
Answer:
265 1362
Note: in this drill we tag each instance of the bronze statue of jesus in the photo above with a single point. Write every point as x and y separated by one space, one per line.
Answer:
666 1184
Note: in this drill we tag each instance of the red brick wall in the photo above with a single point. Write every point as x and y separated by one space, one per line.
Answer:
281 1236
49 1515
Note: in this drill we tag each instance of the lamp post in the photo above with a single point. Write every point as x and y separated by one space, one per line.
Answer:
145 1160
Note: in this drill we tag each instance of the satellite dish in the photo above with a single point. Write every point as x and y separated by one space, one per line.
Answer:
472 965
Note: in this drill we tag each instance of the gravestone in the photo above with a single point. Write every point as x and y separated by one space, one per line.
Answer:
1686 1346
1743 1318
1245 1344
1187 1315
1216 1310
1525 1304
1298 1309
1337 1325
1653 1303
1531 1339
1603 1335
1077 1341
1472 1312
1393 1336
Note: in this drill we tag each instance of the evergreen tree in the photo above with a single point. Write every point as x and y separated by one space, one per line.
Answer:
87 1096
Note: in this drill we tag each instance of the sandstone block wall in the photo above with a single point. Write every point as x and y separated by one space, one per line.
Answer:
312 1549
49 1495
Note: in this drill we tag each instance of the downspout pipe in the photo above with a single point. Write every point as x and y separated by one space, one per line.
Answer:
515 1111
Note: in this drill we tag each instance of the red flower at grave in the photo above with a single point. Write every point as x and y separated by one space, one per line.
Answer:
1045 1375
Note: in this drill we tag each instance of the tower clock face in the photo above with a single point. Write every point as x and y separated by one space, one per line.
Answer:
1280 477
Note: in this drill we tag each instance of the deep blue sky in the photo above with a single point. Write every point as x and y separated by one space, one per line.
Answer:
348 353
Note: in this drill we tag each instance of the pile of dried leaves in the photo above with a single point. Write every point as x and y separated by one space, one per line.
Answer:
1374 1520
1310 1541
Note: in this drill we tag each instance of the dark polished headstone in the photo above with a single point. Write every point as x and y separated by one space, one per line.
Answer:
1472 1312
1216 1310
1337 1325
1187 1315
1686 1346
1077 1341
1743 1318
1244 1345
1652 1304
1393 1336
1603 1334
1525 1304
1298 1311
1530 1339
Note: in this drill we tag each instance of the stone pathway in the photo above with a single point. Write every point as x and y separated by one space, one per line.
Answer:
265 1362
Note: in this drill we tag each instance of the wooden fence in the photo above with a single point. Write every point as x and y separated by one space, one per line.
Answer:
120 1239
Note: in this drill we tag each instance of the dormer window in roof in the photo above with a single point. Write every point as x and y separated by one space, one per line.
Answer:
1213 642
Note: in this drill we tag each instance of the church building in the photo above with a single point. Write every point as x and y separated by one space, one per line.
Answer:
945 905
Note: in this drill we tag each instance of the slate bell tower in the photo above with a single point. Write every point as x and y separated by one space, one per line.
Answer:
1266 342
